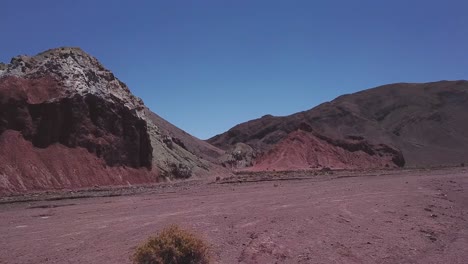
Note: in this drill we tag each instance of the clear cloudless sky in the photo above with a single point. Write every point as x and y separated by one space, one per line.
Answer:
208 65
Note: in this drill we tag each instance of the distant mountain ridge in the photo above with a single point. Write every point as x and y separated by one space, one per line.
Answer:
425 122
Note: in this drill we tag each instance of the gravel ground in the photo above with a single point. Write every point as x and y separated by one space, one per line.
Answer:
411 216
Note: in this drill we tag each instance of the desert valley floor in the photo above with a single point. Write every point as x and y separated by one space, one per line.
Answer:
407 216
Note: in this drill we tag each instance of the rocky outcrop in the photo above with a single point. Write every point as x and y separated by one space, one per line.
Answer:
108 130
238 157
62 103
3 67
77 72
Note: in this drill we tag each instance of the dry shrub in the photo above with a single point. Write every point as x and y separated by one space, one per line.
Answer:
173 245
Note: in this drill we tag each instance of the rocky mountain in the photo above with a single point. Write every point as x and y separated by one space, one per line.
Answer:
403 124
68 122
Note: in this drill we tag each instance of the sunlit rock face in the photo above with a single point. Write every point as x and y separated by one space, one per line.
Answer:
62 103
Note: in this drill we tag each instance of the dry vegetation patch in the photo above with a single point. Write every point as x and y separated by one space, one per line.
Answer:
175 246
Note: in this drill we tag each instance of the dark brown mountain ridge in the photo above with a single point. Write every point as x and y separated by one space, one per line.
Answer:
425 122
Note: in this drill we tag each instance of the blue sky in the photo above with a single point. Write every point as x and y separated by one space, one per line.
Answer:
208 65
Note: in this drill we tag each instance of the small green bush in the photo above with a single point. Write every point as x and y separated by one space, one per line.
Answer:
173 246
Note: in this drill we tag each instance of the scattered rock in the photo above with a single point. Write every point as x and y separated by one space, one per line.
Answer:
239 156
180 171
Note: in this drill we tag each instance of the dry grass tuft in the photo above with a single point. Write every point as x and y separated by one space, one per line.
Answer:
173 245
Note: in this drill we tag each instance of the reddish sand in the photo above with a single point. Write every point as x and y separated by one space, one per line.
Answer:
381 217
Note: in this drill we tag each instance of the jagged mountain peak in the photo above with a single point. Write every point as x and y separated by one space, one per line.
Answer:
76 71
61 50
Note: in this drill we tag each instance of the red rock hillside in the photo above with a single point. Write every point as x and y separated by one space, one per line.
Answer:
303 150
67 122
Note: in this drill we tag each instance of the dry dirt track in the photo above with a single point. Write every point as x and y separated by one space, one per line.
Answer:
401 217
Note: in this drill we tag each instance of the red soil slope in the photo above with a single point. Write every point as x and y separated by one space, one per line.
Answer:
24 167
304 150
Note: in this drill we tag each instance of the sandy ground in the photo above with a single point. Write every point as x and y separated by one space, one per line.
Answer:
392 217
